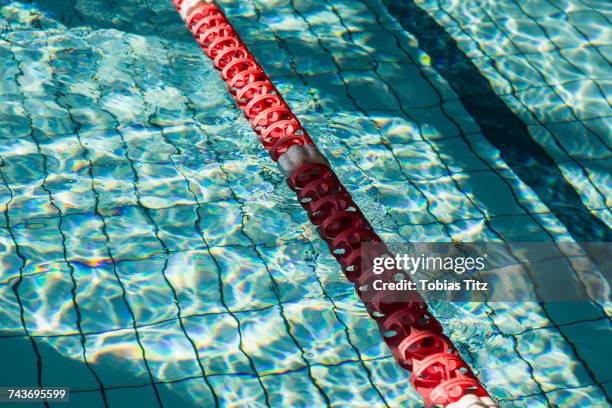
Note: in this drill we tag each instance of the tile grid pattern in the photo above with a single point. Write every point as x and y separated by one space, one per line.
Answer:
213 142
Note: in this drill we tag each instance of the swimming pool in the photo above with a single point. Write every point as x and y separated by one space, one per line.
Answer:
149 233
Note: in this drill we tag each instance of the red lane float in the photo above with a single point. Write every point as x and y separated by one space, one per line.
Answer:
414 336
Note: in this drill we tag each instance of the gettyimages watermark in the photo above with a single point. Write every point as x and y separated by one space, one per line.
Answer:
492 272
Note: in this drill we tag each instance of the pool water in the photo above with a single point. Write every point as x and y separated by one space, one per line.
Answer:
151 253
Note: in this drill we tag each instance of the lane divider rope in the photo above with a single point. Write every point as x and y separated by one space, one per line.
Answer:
415 337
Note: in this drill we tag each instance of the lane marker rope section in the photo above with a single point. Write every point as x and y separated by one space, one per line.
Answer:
414 336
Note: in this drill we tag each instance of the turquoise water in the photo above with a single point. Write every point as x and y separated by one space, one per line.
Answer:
151 253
